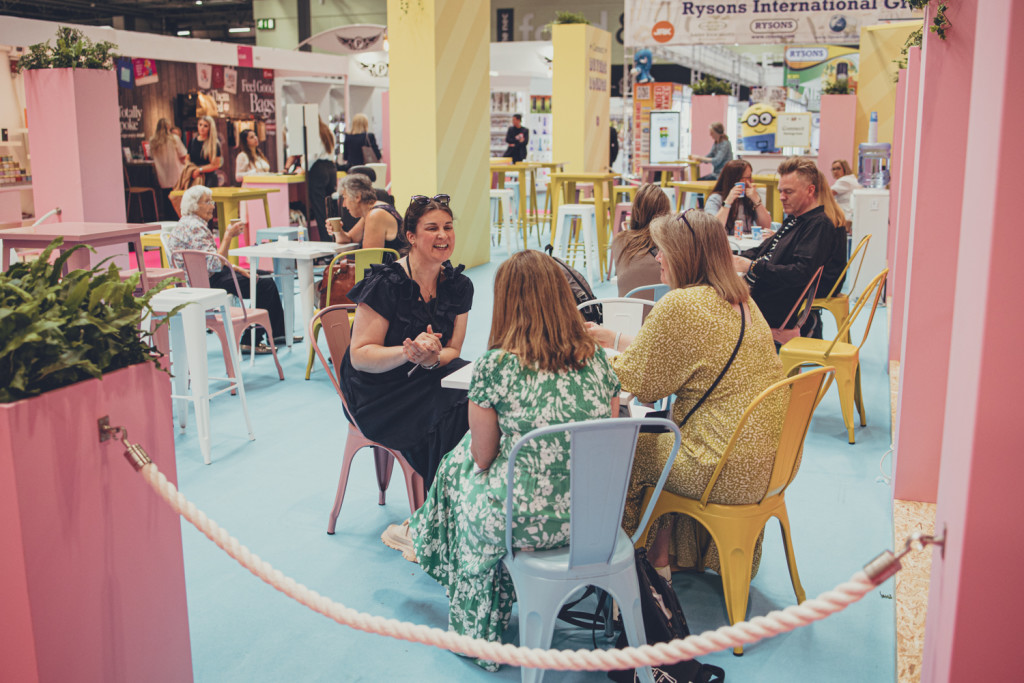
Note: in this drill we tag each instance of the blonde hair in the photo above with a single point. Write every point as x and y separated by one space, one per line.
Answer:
535 317
162 136
210 145
650 202
695 251
358 124
812 175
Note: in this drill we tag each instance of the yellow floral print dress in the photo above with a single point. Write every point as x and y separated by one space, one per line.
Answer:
681 348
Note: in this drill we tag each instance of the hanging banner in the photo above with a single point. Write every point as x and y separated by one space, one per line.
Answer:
811 68
145 71
750 22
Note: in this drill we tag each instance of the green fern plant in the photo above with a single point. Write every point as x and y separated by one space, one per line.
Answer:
73 50
709 85
836 88
56 331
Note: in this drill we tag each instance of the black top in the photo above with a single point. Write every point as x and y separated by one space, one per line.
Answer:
396 408
397 243
784 264
195 155
353 148
517 149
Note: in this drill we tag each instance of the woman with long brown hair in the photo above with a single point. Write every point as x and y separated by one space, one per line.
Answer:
542 368
321 178
633 250
735 199
682 347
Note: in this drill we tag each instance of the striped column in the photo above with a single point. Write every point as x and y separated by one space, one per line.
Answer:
440 112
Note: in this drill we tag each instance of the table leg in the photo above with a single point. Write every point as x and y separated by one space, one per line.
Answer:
554 188
236 363
253 275
192 318
523 189
602 223
227 211
306 292
178 373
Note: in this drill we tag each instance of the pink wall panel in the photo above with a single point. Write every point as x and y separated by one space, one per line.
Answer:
705 110
975 599
102 564
934 241
899 228
895 168
838 121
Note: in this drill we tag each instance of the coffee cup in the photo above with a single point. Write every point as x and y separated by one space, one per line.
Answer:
333 225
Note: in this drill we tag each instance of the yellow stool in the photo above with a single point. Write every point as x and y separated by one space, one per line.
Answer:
629 190
151 240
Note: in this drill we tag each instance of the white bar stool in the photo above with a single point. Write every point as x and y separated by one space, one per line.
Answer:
188 356
509 231
588 227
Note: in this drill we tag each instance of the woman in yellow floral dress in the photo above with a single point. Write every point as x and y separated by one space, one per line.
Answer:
682 347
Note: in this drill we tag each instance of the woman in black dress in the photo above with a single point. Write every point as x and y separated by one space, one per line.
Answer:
204 151
357 137
407 335
379 224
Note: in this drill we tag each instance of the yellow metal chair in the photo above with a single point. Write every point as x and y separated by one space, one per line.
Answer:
837 303
735 528
844 356
362 259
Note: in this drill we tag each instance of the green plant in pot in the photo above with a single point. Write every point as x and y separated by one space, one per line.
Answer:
709 85
73 50
56 331
836 88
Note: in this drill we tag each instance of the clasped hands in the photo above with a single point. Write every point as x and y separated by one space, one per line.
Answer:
425 349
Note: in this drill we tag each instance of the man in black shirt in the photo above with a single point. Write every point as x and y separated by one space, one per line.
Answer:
517 137
779 269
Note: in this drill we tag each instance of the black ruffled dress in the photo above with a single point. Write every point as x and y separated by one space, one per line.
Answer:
410 413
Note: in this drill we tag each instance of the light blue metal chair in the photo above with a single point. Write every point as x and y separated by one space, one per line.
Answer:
657 290
599 553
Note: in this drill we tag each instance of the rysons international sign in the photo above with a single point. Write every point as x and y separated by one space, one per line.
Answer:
757 21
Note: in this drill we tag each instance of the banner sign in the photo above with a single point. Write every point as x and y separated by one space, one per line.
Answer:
653 22
812 67
794 130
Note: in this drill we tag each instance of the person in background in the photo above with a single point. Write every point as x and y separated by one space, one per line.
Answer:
721 151
193 232
407 335
356 137
517 137
169 155
379 222
735 199
321 179
842 189
613 145
779 269
633 250
682 347
204 151
250 158
541 369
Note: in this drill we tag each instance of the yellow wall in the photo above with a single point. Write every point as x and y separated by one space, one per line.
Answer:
876 89
580 91
440 112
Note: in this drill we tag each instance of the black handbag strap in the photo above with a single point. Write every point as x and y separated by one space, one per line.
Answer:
698 404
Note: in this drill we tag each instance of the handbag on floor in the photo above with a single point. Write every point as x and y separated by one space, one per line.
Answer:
663 622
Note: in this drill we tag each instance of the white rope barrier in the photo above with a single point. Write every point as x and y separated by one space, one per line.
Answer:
691 647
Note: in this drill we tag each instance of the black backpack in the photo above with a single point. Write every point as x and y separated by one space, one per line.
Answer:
581 290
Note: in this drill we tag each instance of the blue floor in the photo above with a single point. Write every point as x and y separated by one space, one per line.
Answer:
274 494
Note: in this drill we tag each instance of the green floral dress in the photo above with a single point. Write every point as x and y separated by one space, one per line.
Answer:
459 532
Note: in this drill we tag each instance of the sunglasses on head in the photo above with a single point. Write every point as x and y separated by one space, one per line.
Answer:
682 214
423 200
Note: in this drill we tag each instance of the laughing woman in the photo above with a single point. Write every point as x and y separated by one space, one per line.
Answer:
407 335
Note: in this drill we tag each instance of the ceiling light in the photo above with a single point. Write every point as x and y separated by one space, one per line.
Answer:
240 29
199 2
184 33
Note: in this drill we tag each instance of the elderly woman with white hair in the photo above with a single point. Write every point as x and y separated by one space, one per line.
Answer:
192 232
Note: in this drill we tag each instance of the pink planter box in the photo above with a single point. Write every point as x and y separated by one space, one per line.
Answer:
92 578
705 110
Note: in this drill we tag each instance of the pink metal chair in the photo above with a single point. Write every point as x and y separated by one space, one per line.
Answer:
194 261
335 324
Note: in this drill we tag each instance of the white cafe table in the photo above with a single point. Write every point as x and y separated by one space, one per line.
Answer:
461 377
303 253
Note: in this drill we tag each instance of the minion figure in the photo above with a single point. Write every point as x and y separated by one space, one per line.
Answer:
760 121
643 59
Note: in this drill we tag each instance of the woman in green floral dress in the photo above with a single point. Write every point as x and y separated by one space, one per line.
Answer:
542 369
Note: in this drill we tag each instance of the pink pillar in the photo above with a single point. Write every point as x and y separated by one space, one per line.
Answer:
975 600
705 110
899 222
838 124
895 168
932 254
